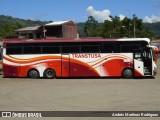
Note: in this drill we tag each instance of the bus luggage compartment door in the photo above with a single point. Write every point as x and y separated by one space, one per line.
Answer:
65 65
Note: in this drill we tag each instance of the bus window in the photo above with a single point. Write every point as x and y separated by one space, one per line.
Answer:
70 49
129 48
146 54
50 48
138 56
14 49
109 47
32 48
90 49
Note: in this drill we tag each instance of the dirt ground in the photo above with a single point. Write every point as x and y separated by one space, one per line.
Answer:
20 94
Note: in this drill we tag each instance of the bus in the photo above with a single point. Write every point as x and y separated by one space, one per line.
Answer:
87 57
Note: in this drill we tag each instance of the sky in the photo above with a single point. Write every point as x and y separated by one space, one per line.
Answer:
79 10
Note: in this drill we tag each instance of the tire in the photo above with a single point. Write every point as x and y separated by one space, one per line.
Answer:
127 73
49 73
33 73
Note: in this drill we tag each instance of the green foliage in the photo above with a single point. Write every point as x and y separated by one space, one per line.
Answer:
154 28
81 29
91 27
10 20
107 26
8 25
116 28
8 30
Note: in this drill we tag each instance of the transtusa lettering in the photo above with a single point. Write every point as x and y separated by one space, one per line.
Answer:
86 55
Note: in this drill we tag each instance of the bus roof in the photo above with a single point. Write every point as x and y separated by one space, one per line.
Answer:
71 40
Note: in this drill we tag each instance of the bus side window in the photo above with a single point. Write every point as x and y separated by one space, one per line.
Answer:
129 48
109 47
50 48
70 49
14 49
32 48
90 49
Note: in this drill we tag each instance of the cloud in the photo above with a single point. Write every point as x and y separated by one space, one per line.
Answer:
152 19
121 17
101 15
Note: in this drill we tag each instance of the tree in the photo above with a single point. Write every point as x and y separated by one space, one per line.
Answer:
116 28
108 29
91 27
139 30
126 28
8 30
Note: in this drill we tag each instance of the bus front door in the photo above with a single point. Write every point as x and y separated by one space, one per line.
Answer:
65 65
147 58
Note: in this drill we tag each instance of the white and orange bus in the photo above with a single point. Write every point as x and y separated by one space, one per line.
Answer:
88 57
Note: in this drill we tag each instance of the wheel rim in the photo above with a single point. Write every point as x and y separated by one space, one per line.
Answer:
49 73
33 74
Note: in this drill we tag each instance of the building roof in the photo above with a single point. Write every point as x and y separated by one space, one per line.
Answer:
56 23
34 28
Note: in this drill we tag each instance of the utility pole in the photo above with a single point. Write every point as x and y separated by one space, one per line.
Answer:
134 26
134 29
129 29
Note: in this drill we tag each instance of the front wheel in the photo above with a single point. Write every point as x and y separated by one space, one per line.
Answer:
49 73
127 73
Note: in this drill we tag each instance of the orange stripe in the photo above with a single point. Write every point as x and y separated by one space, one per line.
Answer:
15 60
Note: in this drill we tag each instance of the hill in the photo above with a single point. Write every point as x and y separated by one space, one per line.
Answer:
10 20
8 25
154 28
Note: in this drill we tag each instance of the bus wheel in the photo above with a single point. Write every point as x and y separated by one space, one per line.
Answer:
33 73
127 73
49 73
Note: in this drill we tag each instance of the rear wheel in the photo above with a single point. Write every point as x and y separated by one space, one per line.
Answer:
49 73
127 73
33 73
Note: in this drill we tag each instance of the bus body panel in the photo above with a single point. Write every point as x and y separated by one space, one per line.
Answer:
139 68
19 65
65 65
72 65
100 64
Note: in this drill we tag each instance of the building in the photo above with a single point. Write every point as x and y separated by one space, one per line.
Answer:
30 32
59 29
